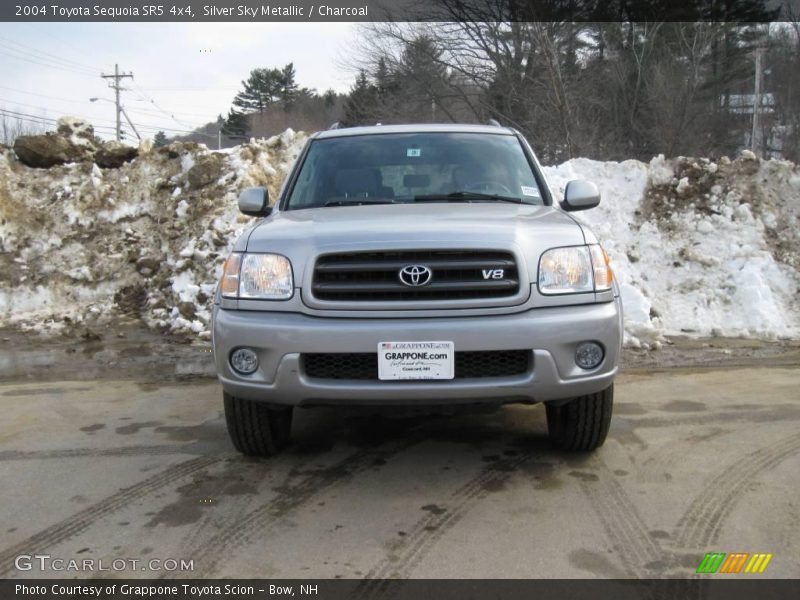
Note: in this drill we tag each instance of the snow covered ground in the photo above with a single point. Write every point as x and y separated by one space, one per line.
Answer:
699 248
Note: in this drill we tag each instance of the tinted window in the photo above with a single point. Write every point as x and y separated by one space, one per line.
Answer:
412 167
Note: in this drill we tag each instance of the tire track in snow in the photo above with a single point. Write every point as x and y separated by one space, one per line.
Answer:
161 449
44 540
702 521
426 532
213 551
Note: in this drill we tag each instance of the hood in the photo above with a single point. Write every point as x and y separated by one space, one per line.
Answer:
303 234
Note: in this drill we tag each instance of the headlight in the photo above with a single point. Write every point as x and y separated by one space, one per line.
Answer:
258 276
574 270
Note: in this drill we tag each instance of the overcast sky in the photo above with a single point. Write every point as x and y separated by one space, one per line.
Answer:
185 74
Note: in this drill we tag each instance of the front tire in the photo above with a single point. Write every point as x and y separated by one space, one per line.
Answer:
582 423
257 428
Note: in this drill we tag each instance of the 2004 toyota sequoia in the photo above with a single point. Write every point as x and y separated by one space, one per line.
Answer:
417 265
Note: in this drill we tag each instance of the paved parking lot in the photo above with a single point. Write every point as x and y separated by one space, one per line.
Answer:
696 461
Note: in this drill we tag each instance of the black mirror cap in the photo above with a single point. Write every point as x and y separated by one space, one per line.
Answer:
254 202
580 195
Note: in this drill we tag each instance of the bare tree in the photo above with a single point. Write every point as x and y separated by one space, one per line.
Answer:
613 90
12 127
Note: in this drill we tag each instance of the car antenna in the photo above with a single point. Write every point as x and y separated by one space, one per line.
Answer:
493 122
336 125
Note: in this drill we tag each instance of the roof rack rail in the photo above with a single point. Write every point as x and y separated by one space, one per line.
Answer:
336 125
493 122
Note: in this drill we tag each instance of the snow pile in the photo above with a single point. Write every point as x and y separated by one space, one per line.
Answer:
81 245
79 132
699 247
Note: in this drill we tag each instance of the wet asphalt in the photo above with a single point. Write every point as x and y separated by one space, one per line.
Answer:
697 460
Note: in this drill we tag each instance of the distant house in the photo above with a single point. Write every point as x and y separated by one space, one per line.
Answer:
743 104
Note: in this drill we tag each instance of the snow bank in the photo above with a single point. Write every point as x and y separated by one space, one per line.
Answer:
698 247
80 245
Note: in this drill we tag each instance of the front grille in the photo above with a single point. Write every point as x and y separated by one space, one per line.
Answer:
364 365
375 276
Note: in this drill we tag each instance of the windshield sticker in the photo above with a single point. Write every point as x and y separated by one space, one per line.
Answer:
529 191
414 152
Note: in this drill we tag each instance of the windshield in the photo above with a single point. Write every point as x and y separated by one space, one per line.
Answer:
414 167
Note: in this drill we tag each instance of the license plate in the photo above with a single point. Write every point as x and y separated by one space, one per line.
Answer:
415 360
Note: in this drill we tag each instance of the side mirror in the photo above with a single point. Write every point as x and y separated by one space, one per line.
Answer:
580 195
254 201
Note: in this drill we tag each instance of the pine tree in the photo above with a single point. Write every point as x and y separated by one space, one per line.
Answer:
236 125
262 89
289 88
361 105
160 139
329 98
382 77
416 85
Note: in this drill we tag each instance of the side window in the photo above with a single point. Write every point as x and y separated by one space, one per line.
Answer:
304 191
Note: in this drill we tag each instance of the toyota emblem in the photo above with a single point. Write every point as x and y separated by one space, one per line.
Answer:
415 275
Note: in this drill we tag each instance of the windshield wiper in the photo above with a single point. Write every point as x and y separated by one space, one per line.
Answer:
466 197
356 202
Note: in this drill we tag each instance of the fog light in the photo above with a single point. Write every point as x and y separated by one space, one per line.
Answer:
244 361
588 355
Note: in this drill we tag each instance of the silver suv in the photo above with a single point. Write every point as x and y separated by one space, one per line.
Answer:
419 266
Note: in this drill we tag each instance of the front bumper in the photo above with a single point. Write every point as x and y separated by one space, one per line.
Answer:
280 338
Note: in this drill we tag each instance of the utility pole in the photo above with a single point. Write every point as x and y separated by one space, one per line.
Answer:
755 134
115 85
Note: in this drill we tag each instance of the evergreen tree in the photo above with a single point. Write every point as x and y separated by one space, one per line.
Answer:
329 98
289 89
160 139
236 125
262 89
382 78
413 90
267 87
360 107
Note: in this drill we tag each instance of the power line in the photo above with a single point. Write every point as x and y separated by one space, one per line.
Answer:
16 103
39 119
76 51
3 87
58 57
154 127
23 54
85 102
21 115
157 128
48 65
150 127
183 114
41 55
191 89
154 103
